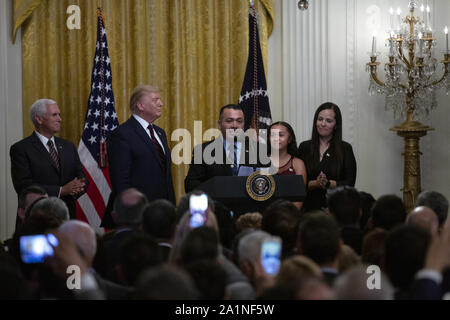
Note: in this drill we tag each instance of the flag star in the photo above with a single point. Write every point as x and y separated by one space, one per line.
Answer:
103 31
95 72
96 59
247 95
89 110
99 100
114 116
105 127
93 140
260 92
99 86
103 139
106 114
241 98
94 126
103 45
98 45
108 74
107 101
93 86
91 100
97 113
265 93
108 87
108 61
113 128
86 125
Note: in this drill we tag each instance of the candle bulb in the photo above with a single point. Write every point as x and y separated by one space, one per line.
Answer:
446 39
391 11
374 44
420 45
399 20
428 25
424 16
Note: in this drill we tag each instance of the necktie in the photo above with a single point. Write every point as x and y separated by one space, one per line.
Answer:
235 168
157 146
53 153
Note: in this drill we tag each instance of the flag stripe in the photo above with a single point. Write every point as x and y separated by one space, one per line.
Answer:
94 171
94 193
88 207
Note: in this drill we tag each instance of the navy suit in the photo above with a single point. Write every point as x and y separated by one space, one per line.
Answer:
31 164
135 163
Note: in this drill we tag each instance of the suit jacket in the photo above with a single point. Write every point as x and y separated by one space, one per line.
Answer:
201 170
31 164
135 163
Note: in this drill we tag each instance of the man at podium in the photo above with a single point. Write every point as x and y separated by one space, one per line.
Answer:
230 154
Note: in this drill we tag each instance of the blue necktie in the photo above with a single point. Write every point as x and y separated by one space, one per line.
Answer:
235 168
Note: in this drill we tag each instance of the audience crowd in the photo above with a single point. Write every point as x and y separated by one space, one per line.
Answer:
358 248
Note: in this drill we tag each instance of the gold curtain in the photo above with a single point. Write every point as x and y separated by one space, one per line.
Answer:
194 50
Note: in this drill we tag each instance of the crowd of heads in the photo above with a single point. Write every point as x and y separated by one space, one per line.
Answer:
154 252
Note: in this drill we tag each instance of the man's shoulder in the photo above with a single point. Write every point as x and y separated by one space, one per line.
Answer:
24 142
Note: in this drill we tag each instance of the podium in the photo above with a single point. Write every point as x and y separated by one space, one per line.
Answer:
232 192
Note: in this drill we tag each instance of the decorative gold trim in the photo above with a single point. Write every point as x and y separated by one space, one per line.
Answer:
250 185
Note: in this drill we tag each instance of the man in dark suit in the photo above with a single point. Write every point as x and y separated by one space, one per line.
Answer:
139 155
47 161
225 155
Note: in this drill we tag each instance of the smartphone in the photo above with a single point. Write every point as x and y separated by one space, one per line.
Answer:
271 255
198 205
35 248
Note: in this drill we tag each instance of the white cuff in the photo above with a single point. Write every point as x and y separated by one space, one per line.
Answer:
430 275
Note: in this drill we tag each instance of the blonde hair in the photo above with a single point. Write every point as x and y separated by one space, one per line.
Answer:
138 93
297 267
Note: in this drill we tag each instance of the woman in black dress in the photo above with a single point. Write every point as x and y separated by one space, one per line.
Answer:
329 161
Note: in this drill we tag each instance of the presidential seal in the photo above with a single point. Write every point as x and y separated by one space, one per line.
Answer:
260 186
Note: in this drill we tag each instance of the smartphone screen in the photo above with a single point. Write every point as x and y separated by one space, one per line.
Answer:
270 256
35 248
197 207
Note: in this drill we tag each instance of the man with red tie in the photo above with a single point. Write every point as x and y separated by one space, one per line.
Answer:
48 161
138 152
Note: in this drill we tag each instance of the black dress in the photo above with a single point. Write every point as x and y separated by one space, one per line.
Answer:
344 174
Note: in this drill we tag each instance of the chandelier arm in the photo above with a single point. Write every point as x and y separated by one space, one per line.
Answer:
374 76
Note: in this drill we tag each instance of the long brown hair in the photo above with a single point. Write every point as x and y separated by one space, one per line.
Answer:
336 140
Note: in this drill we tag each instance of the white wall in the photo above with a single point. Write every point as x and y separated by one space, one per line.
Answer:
323 54
10 115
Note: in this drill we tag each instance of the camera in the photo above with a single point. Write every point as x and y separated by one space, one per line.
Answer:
198 205
35 248
271 255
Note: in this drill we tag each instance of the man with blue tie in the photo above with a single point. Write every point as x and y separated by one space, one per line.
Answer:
48 161
138 152
226 154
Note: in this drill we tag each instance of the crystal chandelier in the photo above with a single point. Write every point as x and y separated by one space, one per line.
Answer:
411 74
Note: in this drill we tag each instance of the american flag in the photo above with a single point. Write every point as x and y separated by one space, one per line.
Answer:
254 99
101 119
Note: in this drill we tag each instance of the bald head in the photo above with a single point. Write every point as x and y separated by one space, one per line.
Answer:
83 236
424 218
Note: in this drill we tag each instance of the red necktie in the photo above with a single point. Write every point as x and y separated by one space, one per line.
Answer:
158 147
53 153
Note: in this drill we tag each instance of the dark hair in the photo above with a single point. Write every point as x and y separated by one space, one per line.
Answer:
159 219
230 106
129 211
367 201
28 190
344 203
200 244
292 145
319 237
281 219
225 221
437 202
405 252
137 254
372 252
210 279
388 211
336 140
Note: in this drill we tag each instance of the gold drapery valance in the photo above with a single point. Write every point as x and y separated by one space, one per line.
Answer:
194 50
